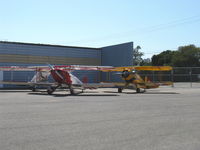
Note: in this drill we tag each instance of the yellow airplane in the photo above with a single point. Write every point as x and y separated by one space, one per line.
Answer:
131 77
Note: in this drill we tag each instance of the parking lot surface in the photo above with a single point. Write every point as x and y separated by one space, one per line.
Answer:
160 119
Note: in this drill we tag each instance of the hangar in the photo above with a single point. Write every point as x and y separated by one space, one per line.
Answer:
23 54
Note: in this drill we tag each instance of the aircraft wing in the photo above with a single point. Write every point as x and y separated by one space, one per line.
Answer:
144 68
14 83
48 68
154 68
24 68
82 67
27 83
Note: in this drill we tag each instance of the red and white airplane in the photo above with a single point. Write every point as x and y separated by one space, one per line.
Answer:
62 74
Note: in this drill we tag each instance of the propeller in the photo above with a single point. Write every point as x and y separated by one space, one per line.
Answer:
51 66
126 73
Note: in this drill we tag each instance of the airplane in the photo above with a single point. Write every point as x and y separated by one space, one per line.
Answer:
62 74
131 77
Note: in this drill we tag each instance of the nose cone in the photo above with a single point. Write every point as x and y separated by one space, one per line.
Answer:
125 74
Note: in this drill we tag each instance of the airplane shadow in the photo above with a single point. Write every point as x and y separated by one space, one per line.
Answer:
65 95
161 93
157 92
86 93
14 91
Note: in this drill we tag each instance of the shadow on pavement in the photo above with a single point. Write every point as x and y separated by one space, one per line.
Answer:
149 92
64 95
14 91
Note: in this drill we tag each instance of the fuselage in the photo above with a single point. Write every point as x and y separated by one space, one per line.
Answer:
61 76
137 80
65 77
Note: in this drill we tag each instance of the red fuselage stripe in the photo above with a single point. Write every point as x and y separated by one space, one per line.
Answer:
61 76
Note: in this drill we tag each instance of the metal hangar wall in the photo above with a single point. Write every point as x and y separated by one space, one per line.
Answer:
23 54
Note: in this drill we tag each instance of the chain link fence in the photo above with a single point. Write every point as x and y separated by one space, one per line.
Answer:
181 76
186 76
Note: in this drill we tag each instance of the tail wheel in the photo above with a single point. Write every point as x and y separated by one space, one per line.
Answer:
138 90
119 90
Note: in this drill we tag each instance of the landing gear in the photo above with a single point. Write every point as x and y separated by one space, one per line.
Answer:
72 91
138 90
33 88
119 90
50 90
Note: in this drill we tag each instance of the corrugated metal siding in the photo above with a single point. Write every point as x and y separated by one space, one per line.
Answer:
30 54
25 76
37 50
1 78
48 59
34 54
90 76
18 75
117 55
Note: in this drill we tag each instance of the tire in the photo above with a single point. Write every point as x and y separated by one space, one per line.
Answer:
72 92
33 89
50 90
138 90
119 90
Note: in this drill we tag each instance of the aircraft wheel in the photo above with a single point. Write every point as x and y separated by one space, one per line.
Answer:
119 90
138 90
50 90
33 89
72 92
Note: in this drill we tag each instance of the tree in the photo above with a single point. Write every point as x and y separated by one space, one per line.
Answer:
185 56
146 62
163 59
137 56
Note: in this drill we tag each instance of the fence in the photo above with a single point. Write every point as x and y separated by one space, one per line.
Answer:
181 76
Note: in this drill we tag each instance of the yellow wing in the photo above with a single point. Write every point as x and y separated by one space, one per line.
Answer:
154 68
145 68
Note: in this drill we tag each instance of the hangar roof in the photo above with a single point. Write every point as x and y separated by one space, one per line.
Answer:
39 44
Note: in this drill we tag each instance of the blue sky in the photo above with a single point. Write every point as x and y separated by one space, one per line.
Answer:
155 25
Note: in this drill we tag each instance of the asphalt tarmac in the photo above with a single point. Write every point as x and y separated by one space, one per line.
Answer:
160 119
